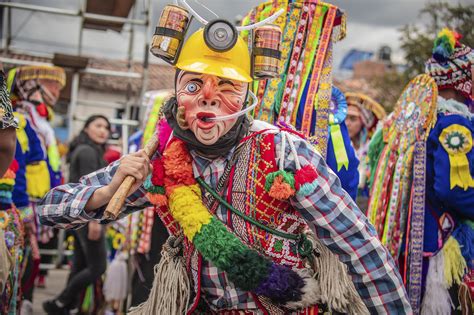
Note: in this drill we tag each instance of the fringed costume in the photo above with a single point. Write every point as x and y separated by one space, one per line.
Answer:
422 201
302 97
259 223
36 157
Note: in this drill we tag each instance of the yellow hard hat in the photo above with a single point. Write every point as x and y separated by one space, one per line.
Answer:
233 64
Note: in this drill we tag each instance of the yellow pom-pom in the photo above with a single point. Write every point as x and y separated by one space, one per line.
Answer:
187 208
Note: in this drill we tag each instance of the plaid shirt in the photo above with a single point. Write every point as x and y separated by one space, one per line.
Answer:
329 211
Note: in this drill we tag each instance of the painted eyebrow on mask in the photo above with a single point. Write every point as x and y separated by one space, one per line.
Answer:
223 81
184 74
197 80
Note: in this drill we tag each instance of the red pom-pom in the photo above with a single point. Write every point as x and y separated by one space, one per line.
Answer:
158 175
42 110
307 174
14 166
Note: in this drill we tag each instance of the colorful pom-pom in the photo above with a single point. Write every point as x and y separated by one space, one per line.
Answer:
157 199
444 45
305 180
306 174
164 131
280 185
286 177
14 166
158 175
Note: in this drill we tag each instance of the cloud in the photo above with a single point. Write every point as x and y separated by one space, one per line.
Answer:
48 33
370 24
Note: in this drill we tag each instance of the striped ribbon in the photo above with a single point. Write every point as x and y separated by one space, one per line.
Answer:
270 103
323 109
305 59
322 64
417 226
311 48
295 56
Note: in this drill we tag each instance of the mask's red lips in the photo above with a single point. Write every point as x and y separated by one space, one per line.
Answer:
203 122
204 115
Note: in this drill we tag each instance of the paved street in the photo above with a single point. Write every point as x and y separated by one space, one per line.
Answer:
54 284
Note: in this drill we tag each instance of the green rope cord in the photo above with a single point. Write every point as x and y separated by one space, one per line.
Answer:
305 247
244 216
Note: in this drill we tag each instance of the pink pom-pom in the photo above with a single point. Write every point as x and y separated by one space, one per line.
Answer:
164 132
306 175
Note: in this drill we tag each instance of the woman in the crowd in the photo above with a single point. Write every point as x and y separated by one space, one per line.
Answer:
363 114
90 257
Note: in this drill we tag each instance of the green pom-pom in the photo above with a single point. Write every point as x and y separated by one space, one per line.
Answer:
287 177
244 267
156 190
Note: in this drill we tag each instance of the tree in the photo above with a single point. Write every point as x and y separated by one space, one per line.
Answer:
417 41
417 44
390 85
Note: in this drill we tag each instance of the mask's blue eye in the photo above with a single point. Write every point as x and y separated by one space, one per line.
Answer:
192 87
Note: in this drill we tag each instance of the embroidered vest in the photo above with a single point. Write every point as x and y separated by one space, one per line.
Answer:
246 192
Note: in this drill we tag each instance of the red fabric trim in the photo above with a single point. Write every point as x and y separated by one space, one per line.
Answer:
269 129
229 196
198 293
259 305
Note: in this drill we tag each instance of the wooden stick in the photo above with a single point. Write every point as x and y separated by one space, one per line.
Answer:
116 203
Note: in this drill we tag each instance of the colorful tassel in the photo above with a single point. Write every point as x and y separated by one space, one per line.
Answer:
454 263
280 185
464 234
306 180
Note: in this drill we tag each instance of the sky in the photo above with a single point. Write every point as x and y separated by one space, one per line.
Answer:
370 24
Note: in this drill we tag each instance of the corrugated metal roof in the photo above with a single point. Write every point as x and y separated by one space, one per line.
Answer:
161 76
